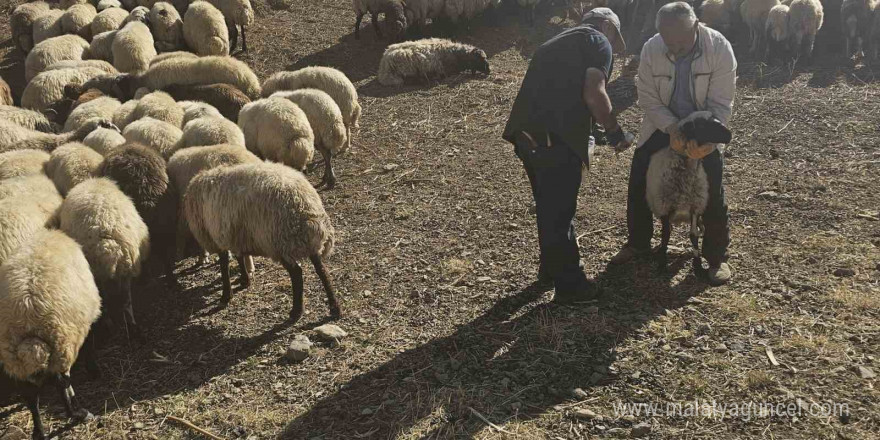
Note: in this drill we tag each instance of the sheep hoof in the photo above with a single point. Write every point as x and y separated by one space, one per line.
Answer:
295 315
335 312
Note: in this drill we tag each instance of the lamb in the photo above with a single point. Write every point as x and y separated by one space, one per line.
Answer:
197 109
133 48
48 303
804 21
754 14
47 88
101 47
22 23
161 136
395 16
224 97
71 164
5 94
211 130
237 13
262 209
23 139
677 185
52 50
78 20
114 239
101 108
167 27
856 21
718 15
22 215
431 58
776 30
277 130
140 173
326 121
328 79
47 25
27 119
18 163
108 20
104 140
204 29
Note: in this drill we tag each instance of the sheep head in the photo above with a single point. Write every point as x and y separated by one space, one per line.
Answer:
476 61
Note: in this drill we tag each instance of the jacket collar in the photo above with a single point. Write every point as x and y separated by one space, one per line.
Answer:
698 46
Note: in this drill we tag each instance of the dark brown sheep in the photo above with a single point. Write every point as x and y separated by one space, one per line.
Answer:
226 98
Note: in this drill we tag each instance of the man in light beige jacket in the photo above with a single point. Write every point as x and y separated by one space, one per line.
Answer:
685 68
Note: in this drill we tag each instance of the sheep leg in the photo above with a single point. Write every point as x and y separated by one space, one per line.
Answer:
233 35
243 40
329 176
296 282
695 242
131 326
32 400
335 311
357 26
245 269
662 257
68 396
224 275
90 355
375 19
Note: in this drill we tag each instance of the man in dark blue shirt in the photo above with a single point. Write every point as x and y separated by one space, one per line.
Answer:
550 124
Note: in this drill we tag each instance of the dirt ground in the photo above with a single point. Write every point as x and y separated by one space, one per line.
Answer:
437 253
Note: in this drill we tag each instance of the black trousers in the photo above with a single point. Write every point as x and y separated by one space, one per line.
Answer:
555 176
640 221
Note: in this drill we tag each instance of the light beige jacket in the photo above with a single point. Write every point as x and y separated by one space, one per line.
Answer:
713 80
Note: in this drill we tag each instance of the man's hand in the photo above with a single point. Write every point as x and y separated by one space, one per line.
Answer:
619 140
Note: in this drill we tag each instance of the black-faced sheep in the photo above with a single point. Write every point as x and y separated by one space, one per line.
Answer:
47 88
114 239
262 209
101 107
432 58
278 130
856 17
22 23
48 303
204 29
776 32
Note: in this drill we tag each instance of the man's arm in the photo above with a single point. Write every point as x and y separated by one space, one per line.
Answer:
649 97
722 84
598 101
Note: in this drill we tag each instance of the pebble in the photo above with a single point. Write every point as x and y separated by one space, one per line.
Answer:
720 348
585 414
617 432
580 394
845 272
484 279
330 332
138 425
628 418
640 430
866 373
838 370
769 195
390 167
299 349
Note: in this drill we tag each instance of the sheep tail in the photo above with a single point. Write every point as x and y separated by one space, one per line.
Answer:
33 354
327 235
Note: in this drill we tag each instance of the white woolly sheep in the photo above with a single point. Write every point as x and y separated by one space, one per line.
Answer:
754 13
47 25
716 14
78 20
169 55
328 79
195 109
856 17
204 29
158 105
48 303
71 164
326 121
776 30
13 137
108 20
22 215
22 23
133 48
278 130
262 209
52 50
419 11
104 140
27 118
139 13
211 130
804 21
114 239
237 13
123 115
103 5
101 47
18 163
47 88
67 4
432 58
102 108
37 185
395 16
102 65
167 27
203 71
161 136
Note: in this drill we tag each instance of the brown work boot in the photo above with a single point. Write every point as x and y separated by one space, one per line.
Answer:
628 253
720 275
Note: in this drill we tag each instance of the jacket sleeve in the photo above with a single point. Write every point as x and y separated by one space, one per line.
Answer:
649 95
722 83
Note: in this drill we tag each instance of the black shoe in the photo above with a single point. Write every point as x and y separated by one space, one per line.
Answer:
588 292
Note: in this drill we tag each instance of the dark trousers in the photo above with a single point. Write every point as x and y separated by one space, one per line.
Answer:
640 221
555 176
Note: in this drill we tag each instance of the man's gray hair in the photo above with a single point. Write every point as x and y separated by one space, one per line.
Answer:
677 10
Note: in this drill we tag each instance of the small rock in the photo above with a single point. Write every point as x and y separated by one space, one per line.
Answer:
330 332
628 418
367 293
585 414
703 329
838 370
138 425
720 348
579 394
845 272
390 167
299 349
640 430
367 411
616 432
158 411
770 195
484 279
237 382
512 226
866 373
666 347
13 433
774 153
636 375
592 310
737 346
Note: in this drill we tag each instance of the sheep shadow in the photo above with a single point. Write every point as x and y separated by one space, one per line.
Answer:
516 361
